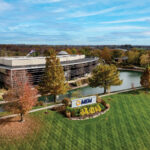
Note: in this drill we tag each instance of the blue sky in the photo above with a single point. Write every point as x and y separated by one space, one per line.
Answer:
88 22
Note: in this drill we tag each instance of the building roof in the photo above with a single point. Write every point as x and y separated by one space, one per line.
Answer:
62 53
26 61
63 63
122 58
122 49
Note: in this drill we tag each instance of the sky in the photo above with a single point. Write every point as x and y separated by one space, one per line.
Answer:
75 22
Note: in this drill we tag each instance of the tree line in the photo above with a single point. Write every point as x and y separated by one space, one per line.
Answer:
135 56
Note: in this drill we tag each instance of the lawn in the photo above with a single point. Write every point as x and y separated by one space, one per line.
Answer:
126 126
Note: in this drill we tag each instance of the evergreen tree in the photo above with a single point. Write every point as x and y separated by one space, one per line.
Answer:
105 76
53 81
145 78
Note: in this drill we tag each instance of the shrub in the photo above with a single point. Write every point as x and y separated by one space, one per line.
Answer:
73 113
68 114
39 103
107 106
99 100
102 106
103 102
91 110
66 101
60 108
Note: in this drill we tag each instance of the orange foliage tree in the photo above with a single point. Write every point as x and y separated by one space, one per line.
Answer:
21 98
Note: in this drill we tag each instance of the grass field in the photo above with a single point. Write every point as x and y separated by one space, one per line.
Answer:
126 126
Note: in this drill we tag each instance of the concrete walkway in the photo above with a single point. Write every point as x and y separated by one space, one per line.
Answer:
135 69
56 105
121 91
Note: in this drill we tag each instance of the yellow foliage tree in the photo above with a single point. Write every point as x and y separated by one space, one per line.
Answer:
53 81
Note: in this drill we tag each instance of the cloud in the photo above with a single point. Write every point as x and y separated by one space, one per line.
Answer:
86 14
81 4
59 10
113 28
119 36
128 20
22 37
4 6
42 1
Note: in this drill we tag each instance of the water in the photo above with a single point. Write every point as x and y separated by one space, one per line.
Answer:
129 78
1 109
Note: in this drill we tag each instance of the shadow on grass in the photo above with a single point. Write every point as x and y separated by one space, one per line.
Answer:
137 92
8 120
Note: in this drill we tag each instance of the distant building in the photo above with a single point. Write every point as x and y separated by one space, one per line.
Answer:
122 59
121 49
75 66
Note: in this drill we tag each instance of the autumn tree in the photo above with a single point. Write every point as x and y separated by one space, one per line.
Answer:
145 78
145 60
133 57
73 51
68 50
117 53
53 81
106 54
105 76
20 98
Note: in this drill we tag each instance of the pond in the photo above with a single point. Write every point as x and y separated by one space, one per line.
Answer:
129 78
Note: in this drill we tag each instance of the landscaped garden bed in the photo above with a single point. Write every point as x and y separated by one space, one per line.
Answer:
88 111
83 112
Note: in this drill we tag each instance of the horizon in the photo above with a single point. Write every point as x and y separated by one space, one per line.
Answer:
75 23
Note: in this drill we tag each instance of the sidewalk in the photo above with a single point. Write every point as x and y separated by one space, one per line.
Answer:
121 91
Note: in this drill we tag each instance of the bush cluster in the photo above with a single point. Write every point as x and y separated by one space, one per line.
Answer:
85 110
91 110
39 103
66 101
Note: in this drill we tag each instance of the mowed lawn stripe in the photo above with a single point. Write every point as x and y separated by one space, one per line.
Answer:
137 124
125 136
99 133
116 126
130 123
121 128
144 122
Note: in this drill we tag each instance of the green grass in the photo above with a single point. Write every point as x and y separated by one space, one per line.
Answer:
126 126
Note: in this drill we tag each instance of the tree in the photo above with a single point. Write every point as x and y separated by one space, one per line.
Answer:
117 53
133 57
145 78
53 81
68 50
105 76
21 98
106 54
145 60
73 50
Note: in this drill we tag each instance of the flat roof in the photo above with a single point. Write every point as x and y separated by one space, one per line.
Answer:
63 63
26 61
32 58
